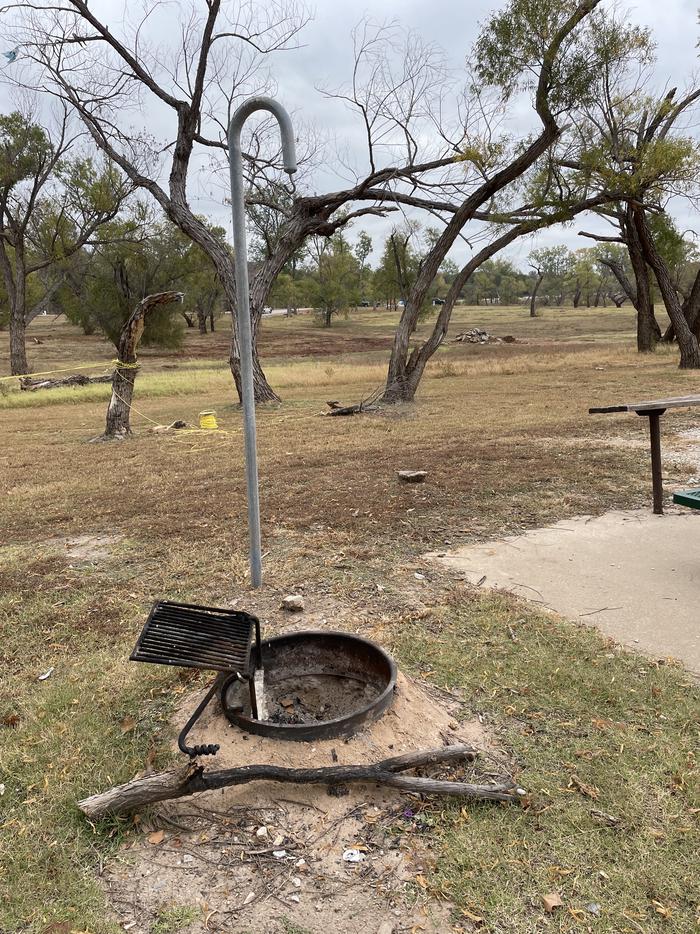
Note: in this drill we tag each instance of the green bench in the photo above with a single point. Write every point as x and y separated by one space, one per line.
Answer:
690 498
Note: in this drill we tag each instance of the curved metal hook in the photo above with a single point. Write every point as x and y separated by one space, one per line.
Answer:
249 107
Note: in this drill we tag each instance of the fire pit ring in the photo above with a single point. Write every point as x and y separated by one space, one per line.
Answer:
318 685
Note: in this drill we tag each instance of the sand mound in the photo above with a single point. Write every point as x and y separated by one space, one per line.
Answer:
265 857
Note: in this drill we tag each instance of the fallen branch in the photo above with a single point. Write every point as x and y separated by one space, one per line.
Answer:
191 779
77 380
366 405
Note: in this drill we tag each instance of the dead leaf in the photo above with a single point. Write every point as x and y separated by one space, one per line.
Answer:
661 909
11 720
589 791
551 902
559 871
127 724
156 837
477 919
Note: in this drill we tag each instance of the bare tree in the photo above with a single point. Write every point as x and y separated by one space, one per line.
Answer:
102 71
505 49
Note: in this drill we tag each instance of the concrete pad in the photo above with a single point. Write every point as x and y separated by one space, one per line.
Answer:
634 575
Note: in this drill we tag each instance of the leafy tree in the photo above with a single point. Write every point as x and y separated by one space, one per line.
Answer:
51 206
551 267
363 249
337 278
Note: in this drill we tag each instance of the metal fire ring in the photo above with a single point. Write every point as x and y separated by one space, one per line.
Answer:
300 654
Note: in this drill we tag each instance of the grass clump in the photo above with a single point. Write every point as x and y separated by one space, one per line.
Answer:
174 918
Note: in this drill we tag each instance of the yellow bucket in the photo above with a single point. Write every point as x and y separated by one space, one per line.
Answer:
207 420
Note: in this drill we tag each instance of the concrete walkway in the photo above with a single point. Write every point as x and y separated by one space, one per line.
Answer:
634 575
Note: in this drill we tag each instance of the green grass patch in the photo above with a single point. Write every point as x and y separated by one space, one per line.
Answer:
91 723
604 741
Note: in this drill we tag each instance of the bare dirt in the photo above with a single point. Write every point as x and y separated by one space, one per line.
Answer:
89 548
268 858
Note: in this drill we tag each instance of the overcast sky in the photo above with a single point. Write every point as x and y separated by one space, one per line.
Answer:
325 60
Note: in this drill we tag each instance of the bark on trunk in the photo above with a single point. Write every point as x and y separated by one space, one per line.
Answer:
648 330
202 320
18 339
119 410
15 281
687 341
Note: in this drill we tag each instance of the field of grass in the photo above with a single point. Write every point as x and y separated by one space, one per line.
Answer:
504 434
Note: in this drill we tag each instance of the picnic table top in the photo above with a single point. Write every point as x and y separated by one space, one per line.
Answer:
650 405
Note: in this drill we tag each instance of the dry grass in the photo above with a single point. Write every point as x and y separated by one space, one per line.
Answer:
508 444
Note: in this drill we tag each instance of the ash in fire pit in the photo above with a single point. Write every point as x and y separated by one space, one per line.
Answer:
316 685
316 697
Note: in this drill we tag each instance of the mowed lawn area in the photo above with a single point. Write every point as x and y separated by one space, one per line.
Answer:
604 741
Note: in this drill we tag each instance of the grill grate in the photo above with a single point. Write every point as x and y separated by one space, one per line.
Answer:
197 637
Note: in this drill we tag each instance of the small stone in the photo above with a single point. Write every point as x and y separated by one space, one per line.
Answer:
249 898
296 882
412 476
294 898
261 832
386 927
294 603
279 854
278 841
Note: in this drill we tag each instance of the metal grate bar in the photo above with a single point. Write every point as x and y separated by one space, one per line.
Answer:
196 637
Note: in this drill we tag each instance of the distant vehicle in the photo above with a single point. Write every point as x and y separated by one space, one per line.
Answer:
438 301
267 310
402 303
365 304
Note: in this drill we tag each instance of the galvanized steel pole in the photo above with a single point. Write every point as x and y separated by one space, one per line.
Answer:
243 324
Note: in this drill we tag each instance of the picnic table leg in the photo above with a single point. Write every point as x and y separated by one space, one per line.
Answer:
657 485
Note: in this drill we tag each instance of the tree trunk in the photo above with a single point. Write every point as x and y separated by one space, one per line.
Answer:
15 282
263 391
211 321
119 410
18 338
648 330
327 317
189 320
577 295
201 320
687 341
533 296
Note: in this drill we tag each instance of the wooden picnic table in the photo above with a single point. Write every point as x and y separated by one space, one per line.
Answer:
653 409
